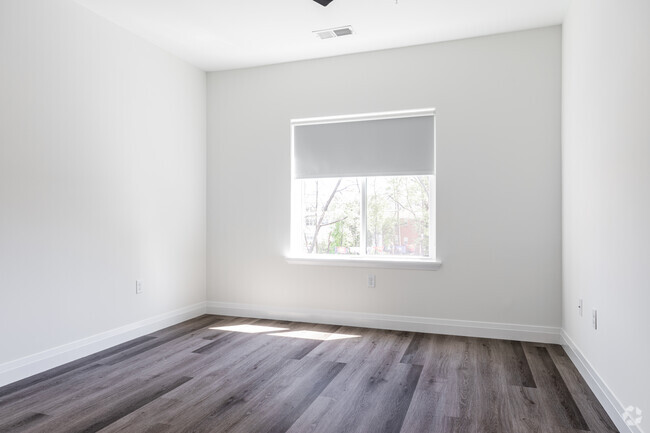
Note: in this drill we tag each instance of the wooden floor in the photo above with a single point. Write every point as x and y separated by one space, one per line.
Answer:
194 377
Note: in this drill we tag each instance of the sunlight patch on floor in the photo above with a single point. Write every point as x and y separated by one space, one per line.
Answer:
249 329
314 335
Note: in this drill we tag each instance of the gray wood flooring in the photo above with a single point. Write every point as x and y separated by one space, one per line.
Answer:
230 374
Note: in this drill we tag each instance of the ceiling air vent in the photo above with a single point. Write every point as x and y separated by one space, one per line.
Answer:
333 33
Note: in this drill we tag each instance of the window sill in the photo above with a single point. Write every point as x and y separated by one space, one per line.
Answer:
390 263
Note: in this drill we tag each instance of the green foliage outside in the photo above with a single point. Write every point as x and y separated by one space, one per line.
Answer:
397 216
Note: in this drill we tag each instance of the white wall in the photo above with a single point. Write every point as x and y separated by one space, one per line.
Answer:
102 177
606 191
498 119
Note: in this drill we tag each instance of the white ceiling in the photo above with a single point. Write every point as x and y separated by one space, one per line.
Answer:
220 34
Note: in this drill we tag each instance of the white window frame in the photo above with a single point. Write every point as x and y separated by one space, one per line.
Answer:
363 259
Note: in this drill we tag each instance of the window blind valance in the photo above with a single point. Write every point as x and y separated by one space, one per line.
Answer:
397 146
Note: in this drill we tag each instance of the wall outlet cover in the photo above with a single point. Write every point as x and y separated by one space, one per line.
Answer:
580 307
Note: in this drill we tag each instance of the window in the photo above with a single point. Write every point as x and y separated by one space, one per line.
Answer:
363 187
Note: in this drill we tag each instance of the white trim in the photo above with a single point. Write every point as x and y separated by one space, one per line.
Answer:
433 216
364 116
603 393
506 331
33 364
363 240
365 262
433 197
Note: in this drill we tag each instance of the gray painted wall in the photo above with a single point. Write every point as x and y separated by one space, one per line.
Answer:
606 189
102 177
498 185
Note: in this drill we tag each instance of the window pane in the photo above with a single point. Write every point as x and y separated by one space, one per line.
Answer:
331 216
398 216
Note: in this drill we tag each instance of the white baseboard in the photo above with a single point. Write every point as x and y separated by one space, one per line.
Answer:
21 368
506 331
603 393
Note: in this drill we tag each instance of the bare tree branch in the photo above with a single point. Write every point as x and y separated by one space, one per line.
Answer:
333 222
424 187
322 215
348 187
402 206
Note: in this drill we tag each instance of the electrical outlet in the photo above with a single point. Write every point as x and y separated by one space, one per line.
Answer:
138 287
580 309
594 318
371 281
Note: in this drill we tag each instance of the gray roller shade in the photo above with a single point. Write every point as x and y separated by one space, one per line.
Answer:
378 147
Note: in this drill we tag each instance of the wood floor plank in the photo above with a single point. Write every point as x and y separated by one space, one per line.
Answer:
307 378
314 417
556 401
521 411
481 380
562 391
446 362
430 424
157 428
435 403
402 401
582 394
517 367
21 423
102 413
464 382
426 411
279 409
491 388
387 388
412 349
144 419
